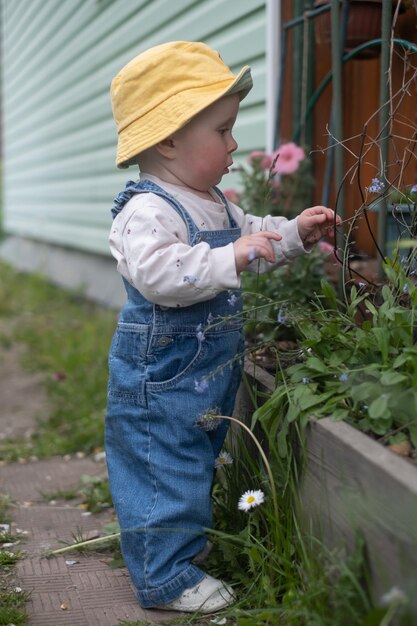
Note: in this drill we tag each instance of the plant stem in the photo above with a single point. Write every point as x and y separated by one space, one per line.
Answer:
263 455
90 542
80 544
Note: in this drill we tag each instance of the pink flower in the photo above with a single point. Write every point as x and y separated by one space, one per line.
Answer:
264 159
289 157
232 195
325 247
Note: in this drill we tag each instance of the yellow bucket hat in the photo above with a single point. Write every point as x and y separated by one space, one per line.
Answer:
160 90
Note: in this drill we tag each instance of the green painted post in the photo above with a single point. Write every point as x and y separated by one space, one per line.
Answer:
337 95
384 118
297 55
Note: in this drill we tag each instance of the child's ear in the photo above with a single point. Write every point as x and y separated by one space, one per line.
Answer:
166 148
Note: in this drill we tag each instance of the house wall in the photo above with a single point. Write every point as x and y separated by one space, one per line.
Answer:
58 60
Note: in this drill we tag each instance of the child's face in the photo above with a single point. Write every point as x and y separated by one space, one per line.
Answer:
204 146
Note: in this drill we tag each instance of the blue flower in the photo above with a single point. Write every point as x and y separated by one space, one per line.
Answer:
361 285
377 186
305 381
281 317
190 278
199 334
232 300
344 377
200 386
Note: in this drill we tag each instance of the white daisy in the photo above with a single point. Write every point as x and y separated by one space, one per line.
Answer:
250 499
394 596
224 458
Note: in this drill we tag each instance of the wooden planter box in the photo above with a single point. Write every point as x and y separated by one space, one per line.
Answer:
352 483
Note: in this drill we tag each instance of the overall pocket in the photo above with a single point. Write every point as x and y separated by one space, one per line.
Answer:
127 363
171 357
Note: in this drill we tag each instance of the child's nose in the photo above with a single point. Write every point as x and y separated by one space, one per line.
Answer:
233 145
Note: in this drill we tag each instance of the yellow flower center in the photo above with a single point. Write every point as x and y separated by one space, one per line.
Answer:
251 499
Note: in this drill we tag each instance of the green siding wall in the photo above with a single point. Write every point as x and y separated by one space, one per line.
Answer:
59 138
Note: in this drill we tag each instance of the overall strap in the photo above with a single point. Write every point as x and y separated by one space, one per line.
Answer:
147 186
226 204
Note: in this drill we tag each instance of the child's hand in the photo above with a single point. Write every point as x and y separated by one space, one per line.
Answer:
254 246
314 223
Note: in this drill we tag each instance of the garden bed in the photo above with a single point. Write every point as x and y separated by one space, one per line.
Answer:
354 484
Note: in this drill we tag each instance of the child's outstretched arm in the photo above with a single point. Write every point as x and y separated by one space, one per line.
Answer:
254 246
314 223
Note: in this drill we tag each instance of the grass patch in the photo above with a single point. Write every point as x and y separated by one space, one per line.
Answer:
96 493
67 339
4 509
12 598
93 493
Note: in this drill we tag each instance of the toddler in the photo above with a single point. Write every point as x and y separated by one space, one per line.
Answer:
180 247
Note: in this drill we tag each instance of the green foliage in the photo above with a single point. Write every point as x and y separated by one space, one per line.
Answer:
10 608
358 363
407 195
281 574
12 598
9 558
96 493
284 290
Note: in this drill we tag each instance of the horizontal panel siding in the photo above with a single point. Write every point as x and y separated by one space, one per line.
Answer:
59 57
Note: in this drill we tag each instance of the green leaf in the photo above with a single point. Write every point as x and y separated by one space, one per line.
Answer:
413 434
339 415
313 363
371 308
387 295
397 438
374 617
381 426
293 412
364 392
379 407
329 293
337 358
282 442
309 400
392 378
382 337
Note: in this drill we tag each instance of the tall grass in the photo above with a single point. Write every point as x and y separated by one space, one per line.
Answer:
282 573
67 340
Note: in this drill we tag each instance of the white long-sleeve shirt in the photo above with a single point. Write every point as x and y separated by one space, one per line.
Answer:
149 240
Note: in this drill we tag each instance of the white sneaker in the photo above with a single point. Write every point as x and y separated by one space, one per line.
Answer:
208 596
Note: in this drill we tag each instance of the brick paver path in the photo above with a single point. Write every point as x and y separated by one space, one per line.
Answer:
63 593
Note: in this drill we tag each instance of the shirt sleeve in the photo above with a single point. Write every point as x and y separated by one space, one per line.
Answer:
148 240
285 250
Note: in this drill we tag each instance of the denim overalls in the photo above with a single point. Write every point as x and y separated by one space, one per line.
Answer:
168 367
